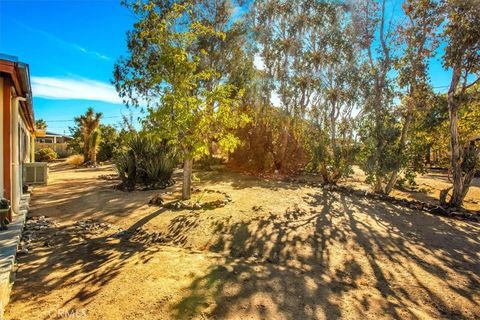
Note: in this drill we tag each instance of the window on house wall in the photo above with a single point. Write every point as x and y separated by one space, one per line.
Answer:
44 140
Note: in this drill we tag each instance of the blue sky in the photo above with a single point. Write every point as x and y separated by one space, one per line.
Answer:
71 47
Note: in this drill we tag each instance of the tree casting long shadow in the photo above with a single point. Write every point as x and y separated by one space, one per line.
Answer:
304 265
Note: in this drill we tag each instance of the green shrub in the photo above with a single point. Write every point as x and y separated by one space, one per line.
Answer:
153 161
45 155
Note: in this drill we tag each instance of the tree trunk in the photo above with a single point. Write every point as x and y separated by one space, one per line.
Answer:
187 178
403 141
86 149
378 186
456 159
93 156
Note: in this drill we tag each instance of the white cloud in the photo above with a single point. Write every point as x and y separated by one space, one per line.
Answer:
63 43
74 88
96 54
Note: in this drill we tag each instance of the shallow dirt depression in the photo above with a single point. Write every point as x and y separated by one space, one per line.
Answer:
276 251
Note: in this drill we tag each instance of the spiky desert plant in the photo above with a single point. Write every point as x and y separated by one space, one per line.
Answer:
94 142
88 124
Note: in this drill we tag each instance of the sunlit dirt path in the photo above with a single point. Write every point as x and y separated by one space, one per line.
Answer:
278 251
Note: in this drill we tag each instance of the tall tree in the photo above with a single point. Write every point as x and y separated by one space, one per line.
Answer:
376 33
462 56
88 124
419 34
310 65
166 68
335 70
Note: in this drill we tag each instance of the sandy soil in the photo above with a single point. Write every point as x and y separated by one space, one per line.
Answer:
278 251
429 186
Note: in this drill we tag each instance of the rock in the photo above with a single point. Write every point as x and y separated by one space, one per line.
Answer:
157 200
196 206
22 251
457 214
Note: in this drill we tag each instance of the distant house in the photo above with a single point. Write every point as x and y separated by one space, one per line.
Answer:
17 127
55 141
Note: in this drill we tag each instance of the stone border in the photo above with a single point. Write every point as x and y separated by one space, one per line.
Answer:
459 213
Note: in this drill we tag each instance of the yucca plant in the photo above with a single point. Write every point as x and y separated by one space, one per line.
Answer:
94 142
88 123
153 159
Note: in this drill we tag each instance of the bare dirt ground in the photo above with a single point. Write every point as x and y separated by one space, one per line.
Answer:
429 186
278 251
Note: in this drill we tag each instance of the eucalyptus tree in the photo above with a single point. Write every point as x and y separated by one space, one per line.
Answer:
376 32
227 55
462 56
310 63
418 35
334 57
282 30
168 68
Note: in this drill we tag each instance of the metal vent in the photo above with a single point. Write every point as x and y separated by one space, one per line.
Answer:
35 173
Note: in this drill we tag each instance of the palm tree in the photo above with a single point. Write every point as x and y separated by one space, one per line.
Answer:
89 123
41 124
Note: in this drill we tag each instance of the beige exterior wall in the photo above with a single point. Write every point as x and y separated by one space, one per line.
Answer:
1 137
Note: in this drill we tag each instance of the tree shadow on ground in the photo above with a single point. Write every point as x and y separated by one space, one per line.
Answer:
348 256
238 180
75 256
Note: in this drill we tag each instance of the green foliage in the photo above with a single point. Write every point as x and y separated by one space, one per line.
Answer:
155 160
109 143
332 160
75 145
189 113
40 124
378 152
433 131
45 155
188 104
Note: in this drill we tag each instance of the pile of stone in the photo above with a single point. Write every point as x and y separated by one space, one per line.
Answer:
92 226
36 228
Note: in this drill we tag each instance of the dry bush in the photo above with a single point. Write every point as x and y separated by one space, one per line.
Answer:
272 143
76 160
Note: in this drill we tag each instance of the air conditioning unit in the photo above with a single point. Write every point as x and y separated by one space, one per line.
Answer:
35 173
